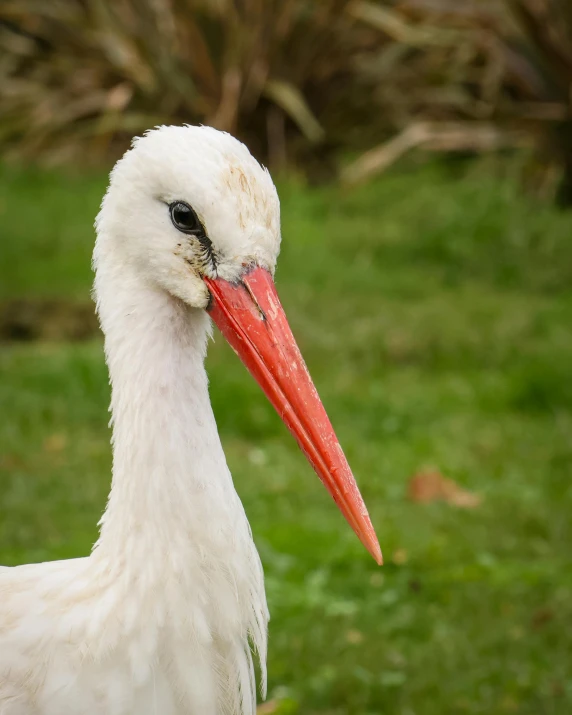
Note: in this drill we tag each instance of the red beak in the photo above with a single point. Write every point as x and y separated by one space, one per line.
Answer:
249 315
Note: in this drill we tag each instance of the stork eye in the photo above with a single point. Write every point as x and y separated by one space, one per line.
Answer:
185 219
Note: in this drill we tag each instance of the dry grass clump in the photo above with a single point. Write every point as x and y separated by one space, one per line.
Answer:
296 78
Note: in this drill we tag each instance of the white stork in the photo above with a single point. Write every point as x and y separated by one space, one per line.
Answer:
161 617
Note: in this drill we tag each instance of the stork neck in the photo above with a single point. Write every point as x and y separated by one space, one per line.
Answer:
171 487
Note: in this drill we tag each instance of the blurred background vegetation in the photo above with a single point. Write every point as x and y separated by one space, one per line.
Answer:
305 81
423 150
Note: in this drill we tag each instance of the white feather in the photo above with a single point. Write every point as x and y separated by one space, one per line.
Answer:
160 617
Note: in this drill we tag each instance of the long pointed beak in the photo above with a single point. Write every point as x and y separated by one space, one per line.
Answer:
249 315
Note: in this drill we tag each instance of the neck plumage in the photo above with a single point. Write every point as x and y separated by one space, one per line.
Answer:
171 486
174 529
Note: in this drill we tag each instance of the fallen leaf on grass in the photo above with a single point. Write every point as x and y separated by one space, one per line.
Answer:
430 485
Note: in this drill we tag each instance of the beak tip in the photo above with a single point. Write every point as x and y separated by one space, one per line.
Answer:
375 550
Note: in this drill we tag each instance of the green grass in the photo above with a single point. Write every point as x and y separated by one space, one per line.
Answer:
434 312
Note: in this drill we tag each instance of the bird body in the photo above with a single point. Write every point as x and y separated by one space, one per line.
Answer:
161 616
157 618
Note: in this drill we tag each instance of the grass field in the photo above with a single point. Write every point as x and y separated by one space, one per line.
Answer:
434 311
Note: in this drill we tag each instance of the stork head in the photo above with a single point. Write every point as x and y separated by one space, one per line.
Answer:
194 214
187 203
